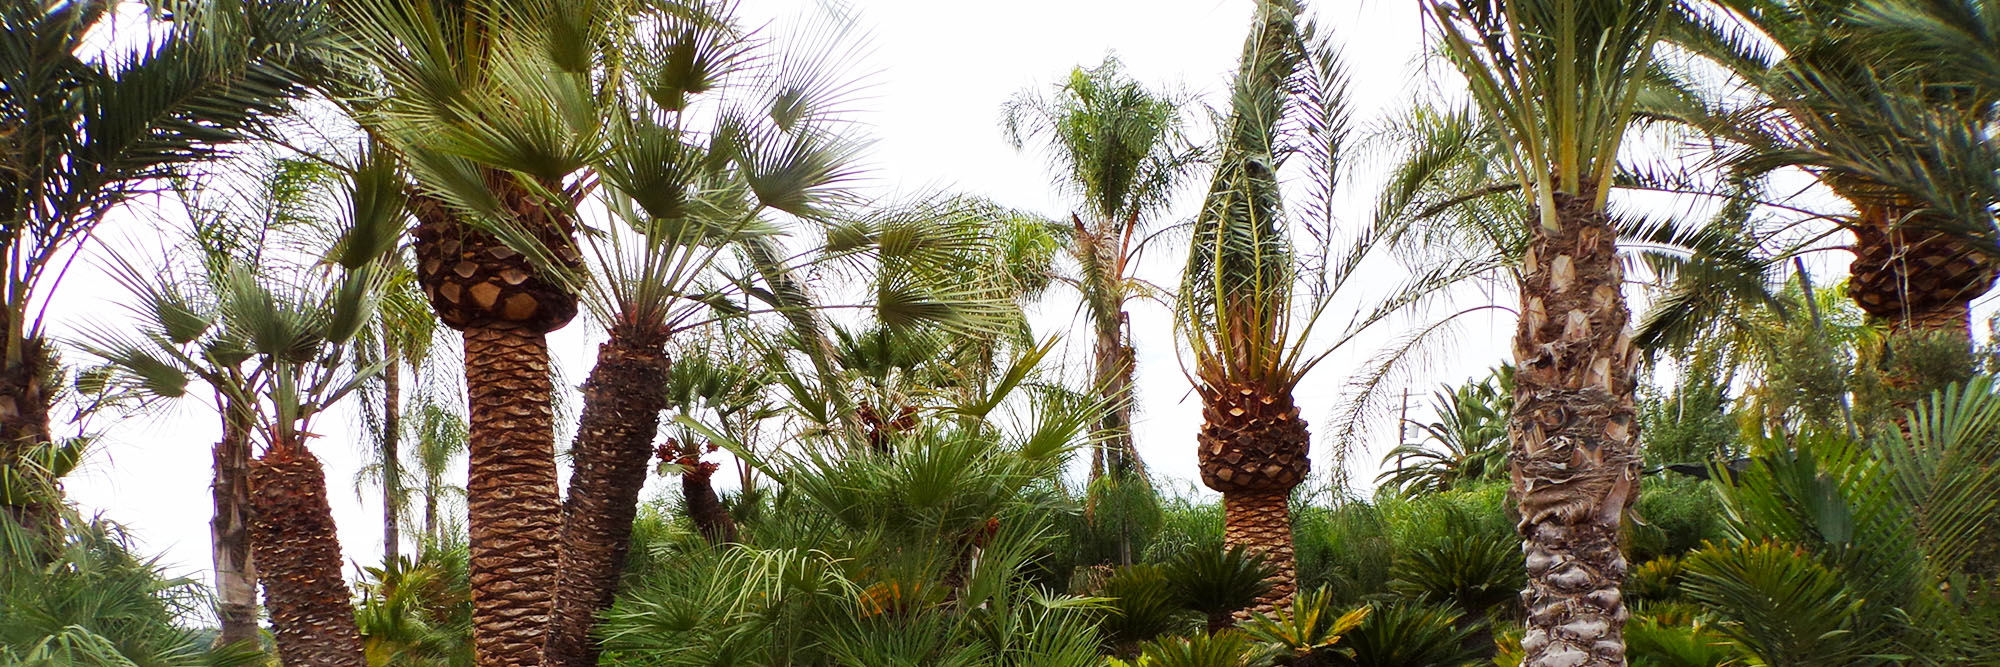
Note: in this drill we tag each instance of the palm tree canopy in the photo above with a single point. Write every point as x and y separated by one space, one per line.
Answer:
1118 146
1558 77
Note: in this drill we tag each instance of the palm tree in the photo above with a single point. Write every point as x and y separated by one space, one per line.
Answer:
1468 435
1245 280
1863 98
272 337
440 441
478 100
1118 148
86 132
1558 78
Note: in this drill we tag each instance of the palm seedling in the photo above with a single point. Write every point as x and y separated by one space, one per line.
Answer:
88 130
1558 79
1118 148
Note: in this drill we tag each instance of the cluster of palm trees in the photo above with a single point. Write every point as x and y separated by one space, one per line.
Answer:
687 183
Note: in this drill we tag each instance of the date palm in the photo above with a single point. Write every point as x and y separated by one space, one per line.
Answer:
1118 149
1861 96
1558 79
82 132
1250 297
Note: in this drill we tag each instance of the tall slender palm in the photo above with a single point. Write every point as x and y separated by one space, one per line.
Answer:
1558 78
1250 296
402 335
1119 150
491 105
85 132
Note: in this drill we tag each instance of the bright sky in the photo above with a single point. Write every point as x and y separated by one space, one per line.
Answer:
943 71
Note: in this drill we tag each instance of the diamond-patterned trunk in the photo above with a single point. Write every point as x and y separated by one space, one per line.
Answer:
1574 454
1252 448
298 556
496 295
622 401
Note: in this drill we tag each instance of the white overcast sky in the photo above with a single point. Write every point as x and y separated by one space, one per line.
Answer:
941 72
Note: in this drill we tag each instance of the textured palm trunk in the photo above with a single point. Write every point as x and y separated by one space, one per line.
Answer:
229 531
1261 523
614 443
392 461
705 508
298 554
503 304
1574 449
1116 453
1920 283
1252 448
513 510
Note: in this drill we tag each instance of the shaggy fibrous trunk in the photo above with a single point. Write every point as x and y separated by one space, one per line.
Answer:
1252 448
512 508
705 508
1113 367
1574 451
1917 280
298 555
229 530
622 401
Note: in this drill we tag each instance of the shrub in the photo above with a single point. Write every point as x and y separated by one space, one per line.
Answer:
1674 515
1346 550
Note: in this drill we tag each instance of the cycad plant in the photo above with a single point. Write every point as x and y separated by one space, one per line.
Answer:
1241 288
1119 150
88 130
1558 79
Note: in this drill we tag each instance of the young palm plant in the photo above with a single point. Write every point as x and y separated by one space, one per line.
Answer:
1118 148
1558 79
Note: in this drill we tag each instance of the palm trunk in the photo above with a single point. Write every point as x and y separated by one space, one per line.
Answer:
614 444
1253 448
513 509
229 530
24 423
1575 456
704 508
298 553
1261 523
1919 281
392 461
